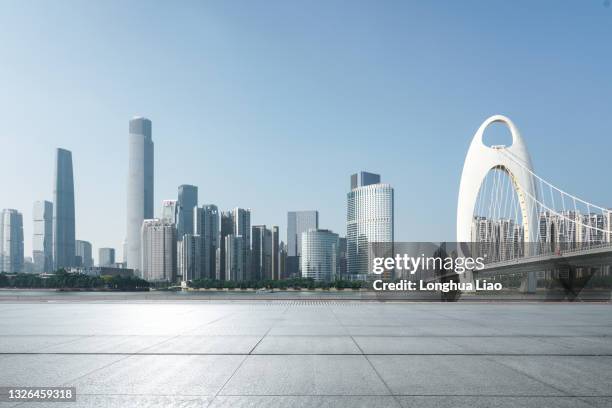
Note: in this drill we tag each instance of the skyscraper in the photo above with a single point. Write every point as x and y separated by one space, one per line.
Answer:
261 253
227 228
158 251
42 239
170 211
297 223
187 200
369 220
139 187
83 254
234 262
319 259
106 256
63 211
242 229
207 227
11 241
189 262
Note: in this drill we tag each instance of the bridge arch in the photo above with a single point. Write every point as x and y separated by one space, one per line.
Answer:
481 159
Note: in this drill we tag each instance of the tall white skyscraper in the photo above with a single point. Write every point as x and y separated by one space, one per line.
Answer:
158 251
369 220
139 187
63 211
11 241
170 211
42 238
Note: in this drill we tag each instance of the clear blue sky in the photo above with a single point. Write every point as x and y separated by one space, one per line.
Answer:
271 105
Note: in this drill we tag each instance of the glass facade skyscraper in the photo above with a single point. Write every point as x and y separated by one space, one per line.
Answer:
369 221
206 221
83 254
106 256
298 222
42 238
63 211
139 187
187 200
319 259
11 241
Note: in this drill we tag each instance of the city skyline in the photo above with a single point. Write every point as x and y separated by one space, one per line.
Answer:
363 107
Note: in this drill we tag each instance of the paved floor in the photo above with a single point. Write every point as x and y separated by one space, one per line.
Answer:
311 354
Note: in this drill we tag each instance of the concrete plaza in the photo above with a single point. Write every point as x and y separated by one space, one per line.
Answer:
293 353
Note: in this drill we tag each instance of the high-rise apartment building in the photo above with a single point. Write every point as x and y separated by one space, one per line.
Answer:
207 227
276 271
170 211
42 238
187 201
63 211
158 251
189 262
242 228
319 259
139 187
83 254
106 256
11 241
369 221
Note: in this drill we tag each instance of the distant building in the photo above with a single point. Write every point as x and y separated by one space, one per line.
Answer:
276 270
297 223
319 259
83 254
106 256
189 262
170 211
342 268
42 239
207 227
139 187
187 201
282 260
158 251
114 270
63 211
227 228
242 228
369 221
234 263
11 241
261 252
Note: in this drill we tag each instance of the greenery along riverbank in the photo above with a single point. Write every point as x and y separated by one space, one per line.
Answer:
63 280
296 283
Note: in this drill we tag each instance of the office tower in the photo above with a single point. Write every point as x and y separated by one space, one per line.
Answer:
189 262
369 221
170 211
261 253
11 241
227 228
242 228
276 271
139 187
234 262
42 239
63 211
187 200
106 256
298 222
206 220
83 254
158 251
363 178
319 259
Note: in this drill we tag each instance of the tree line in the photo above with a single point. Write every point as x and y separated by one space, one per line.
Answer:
64 280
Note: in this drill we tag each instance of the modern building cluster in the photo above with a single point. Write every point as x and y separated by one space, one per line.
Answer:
189 241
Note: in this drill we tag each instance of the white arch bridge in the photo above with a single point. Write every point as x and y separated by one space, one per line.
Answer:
521 223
